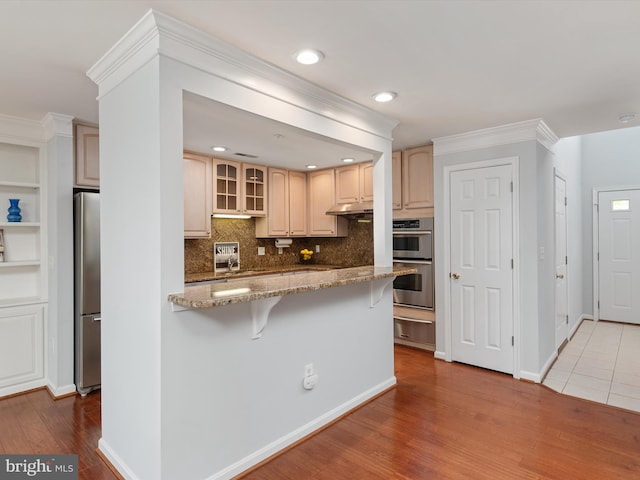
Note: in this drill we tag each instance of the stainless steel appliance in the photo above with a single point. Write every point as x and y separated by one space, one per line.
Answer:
413 238
413 295
87 291
416 289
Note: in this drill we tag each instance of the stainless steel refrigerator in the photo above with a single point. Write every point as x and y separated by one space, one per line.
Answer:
87 291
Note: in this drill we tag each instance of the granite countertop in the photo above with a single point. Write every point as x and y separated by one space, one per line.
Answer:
249 288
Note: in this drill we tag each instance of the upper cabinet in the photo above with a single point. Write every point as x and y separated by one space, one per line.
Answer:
226 186
416 180
354 183
321 186
197 177
87 164
287 205
255 189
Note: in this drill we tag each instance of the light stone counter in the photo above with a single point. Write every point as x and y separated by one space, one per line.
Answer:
237 290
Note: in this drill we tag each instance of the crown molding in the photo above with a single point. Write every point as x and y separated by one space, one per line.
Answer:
20 131
518 132
57 124
157 34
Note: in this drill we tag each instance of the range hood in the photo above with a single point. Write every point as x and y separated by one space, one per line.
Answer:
358 208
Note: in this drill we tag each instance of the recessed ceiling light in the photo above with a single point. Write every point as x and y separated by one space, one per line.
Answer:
383 97
219 148
626 117
308 56
311 167
347 160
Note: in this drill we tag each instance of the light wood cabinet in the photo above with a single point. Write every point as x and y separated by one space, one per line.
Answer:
254 192
87 164
396 178
416 179
354 183
227 184
287 205
197 178
321 187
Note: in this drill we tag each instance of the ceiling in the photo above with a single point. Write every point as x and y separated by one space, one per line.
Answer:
457 66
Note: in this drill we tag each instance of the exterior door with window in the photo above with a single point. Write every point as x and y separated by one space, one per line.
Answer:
619 255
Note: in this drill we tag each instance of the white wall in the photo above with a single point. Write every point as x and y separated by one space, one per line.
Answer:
609 159
568 161
174 396
59 191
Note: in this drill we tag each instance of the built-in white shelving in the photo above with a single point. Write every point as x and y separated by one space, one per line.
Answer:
23 293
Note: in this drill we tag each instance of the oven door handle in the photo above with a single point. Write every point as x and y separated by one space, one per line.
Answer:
412 232
409 319
413 260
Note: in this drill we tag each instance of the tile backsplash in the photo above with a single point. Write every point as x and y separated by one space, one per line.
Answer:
351 251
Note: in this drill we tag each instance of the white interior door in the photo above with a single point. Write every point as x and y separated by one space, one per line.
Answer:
481 278
562 298
619 255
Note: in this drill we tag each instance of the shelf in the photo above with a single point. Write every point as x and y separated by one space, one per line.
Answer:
19 224
19 185
26 263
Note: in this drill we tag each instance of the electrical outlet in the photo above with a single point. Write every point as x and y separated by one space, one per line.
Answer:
317 248
261 251
308 369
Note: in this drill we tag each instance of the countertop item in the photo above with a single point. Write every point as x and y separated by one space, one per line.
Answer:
238 289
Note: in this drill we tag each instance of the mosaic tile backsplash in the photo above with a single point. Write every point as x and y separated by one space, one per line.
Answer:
352 251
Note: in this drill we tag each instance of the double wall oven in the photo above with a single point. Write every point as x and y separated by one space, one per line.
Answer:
413 295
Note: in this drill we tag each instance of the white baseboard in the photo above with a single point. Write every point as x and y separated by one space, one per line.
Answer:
61 391
537 377
115 460
22 387
440 355
274 447
574 329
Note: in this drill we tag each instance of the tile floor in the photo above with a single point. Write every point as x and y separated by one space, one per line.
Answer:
601 363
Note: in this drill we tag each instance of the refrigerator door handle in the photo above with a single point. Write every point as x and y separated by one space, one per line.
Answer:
96 319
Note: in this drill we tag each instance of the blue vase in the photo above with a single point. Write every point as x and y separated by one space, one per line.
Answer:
14 211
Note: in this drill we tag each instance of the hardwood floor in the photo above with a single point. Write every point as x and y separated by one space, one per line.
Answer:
443 421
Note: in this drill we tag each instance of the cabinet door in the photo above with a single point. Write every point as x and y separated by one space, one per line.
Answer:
21 347
197 178
396 175
226 187
87 156
366 182
348 184
255 189
417 177
297 203
278 217
321 196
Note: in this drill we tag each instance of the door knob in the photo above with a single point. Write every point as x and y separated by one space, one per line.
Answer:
455 276
559 275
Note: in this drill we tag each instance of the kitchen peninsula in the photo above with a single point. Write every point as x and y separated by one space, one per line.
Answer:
245 289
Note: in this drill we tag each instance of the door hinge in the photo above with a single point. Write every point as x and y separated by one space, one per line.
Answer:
565 201
567 319
598 254
512 264
598 304
512 341
566 260
511 186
